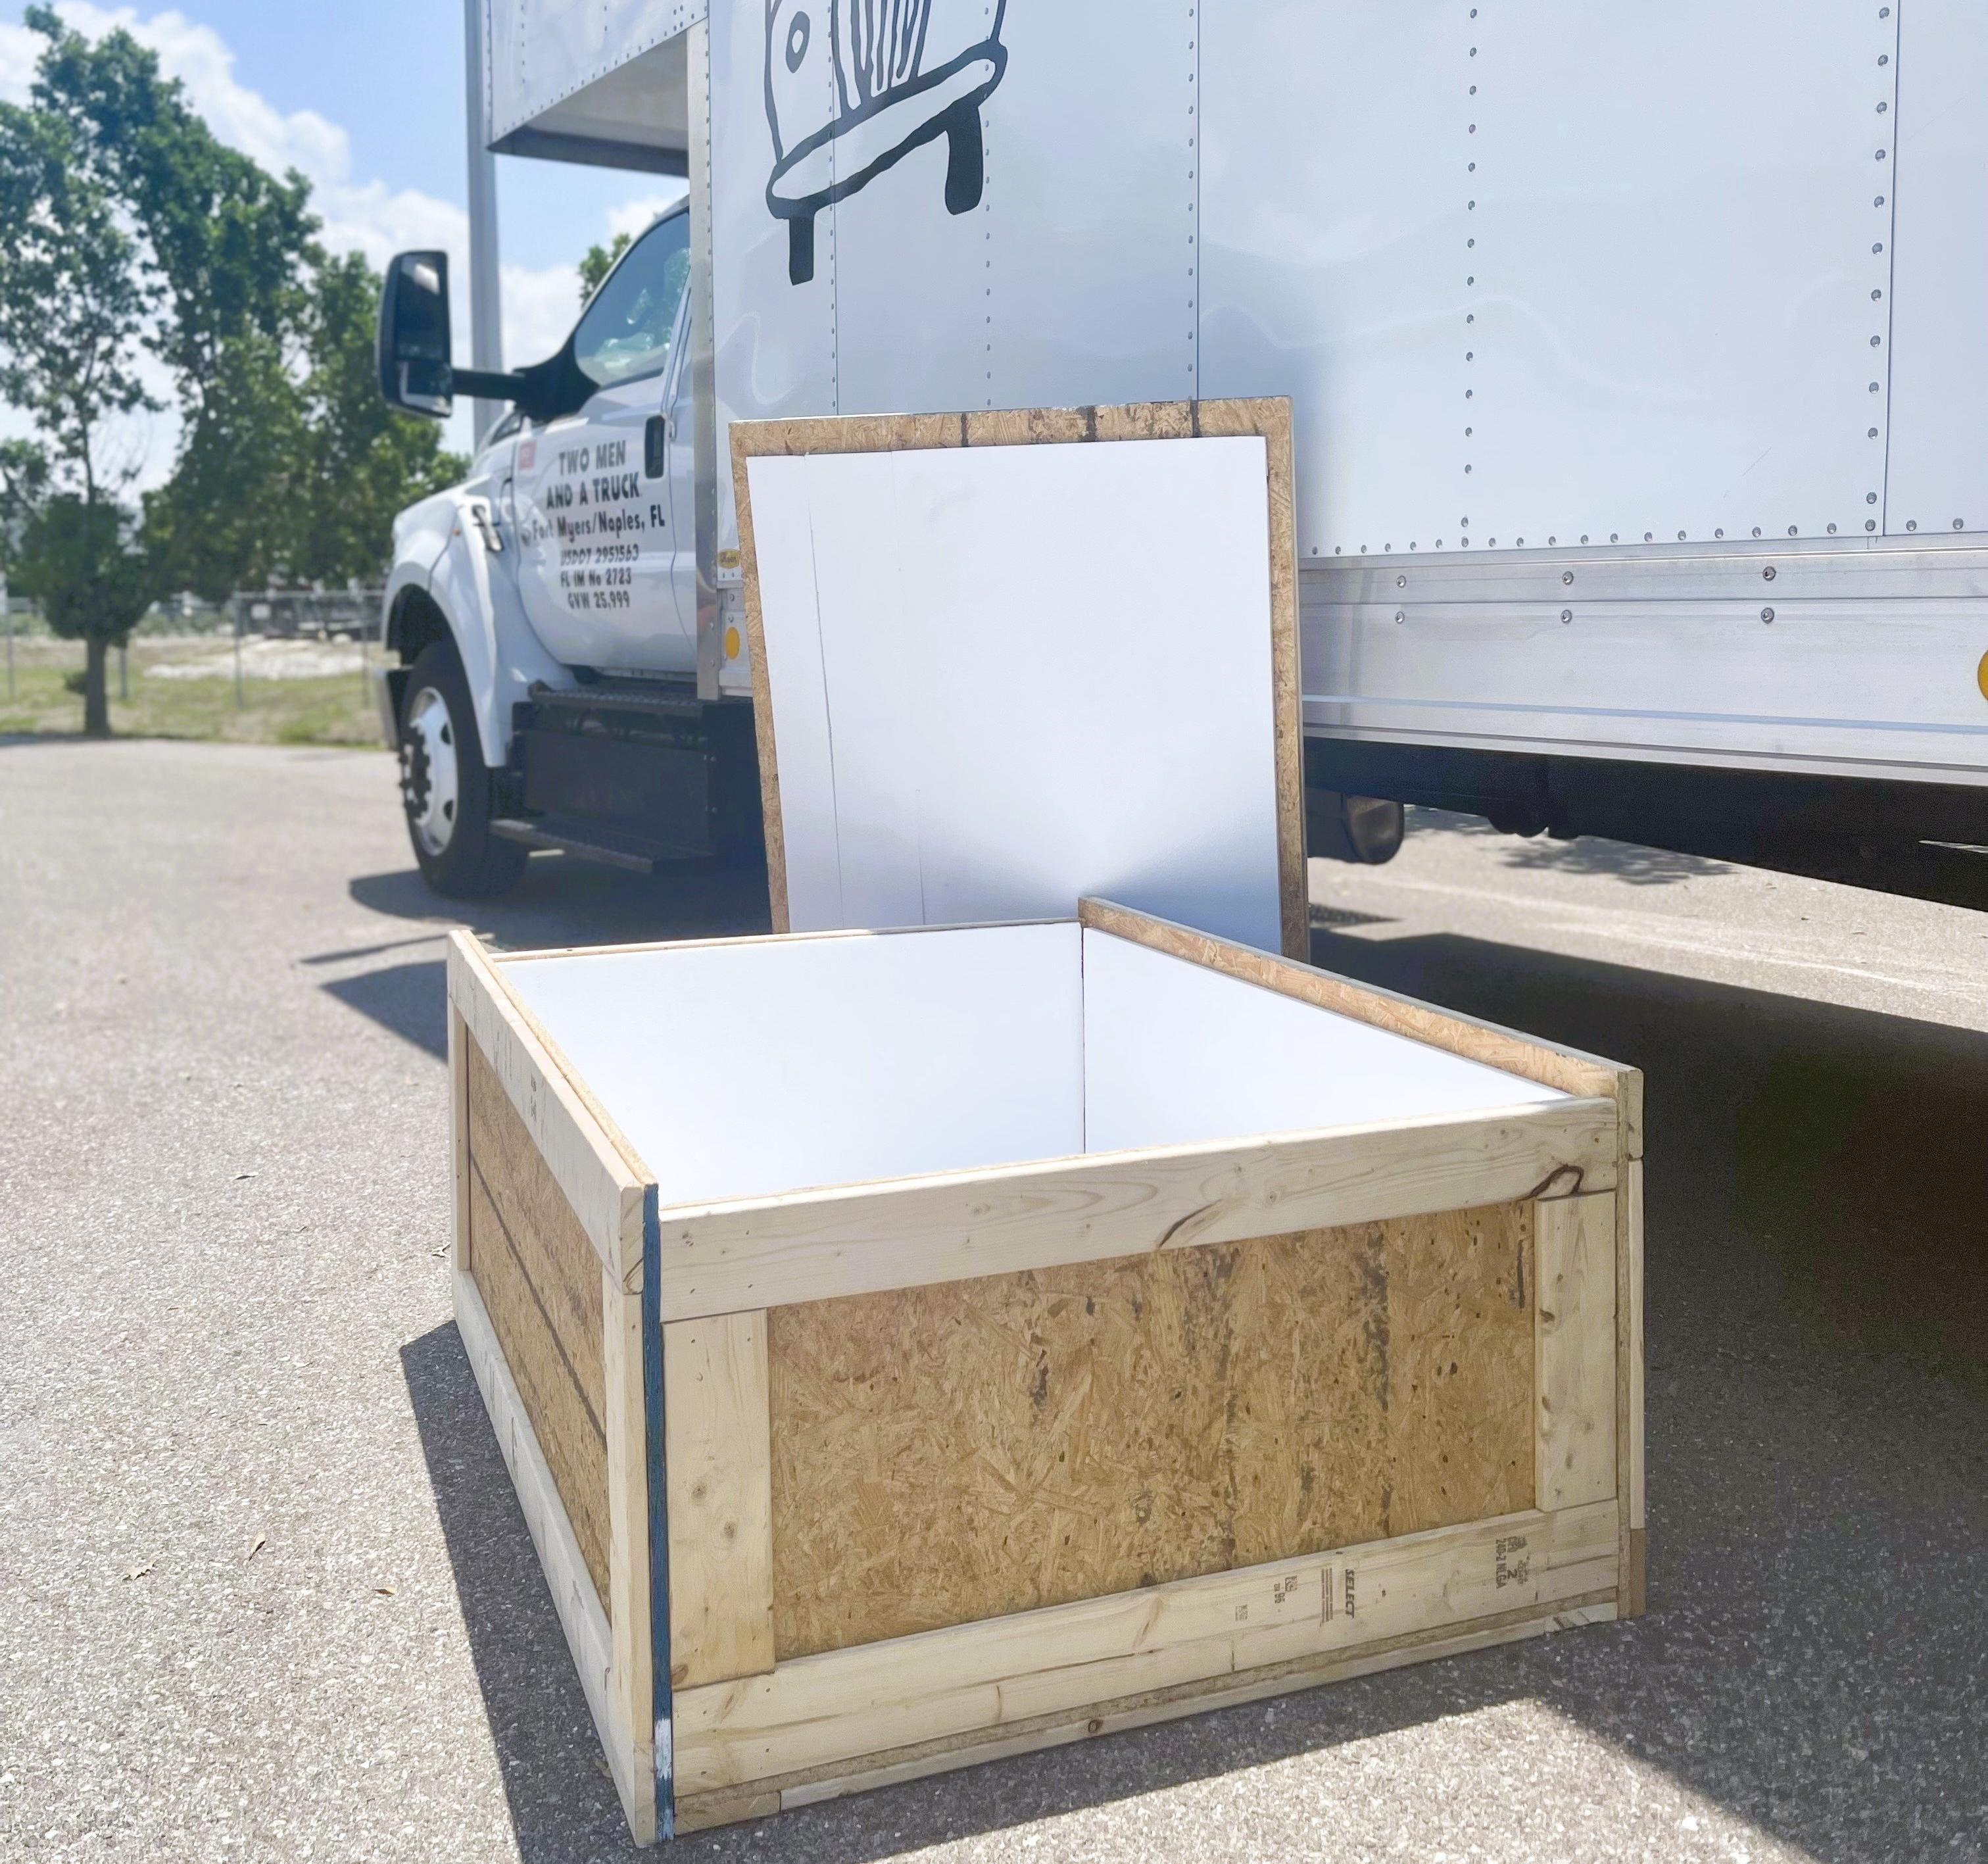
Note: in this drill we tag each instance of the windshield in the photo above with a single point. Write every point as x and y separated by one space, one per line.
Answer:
625 331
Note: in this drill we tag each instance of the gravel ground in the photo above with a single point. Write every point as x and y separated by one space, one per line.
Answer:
264 1591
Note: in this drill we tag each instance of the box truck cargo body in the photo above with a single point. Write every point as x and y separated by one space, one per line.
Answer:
1639 359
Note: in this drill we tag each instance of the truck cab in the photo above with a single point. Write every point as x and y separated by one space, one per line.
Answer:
544 610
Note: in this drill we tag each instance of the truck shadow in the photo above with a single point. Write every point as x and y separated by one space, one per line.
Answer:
558 903
561 901
1814 1659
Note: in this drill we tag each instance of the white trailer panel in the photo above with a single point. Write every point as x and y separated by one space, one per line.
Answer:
1660 297
1587 275
1680 217
1332 231
589 80
1938 470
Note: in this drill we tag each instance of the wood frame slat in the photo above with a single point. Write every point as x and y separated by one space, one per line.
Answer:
844 1705
720 1512
812 1246
458 1149
1551 1064
596 1169
1629 1376
1575 1351
1266 418
631 1671
727 1805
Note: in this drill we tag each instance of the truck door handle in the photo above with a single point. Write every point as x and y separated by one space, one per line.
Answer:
655 442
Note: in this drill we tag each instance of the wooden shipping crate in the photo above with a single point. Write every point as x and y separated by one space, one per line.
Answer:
914 1349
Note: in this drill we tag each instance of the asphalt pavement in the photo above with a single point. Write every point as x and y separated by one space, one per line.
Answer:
264 1592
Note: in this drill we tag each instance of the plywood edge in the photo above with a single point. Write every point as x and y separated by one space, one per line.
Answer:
1552 1064
805 1246
833 1709
579 1607
717 1416
1267 417
729 1806
1630 1379
1576 1417
597 1172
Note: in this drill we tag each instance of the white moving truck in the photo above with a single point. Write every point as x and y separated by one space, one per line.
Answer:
1638 356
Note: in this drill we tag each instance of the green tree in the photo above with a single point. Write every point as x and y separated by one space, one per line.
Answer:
598 262
358 462
224 239
222 246
289 464
23 488
73 298
226 519
83 557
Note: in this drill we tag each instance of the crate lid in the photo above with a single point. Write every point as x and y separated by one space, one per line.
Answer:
997 665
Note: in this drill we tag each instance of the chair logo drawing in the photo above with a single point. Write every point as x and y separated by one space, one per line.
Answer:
854 86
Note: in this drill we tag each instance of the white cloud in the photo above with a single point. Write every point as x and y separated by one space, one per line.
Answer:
364 215
538 309
18 47
200 58
633 217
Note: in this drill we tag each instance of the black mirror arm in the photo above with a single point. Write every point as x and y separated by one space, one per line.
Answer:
487 385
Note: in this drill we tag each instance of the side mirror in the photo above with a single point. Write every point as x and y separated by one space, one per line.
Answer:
412 349
413 341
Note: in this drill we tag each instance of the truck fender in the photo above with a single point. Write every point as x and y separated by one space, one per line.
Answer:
501 658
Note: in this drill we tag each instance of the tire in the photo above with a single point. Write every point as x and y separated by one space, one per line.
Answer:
440 752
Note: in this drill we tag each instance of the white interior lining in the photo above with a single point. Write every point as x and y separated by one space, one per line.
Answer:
1176 1053
745 1070
1005 676
749 1069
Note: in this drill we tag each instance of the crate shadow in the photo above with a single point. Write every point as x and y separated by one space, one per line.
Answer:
409 998
1818 1321
561 1801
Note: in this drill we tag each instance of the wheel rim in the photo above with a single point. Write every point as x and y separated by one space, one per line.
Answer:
428 784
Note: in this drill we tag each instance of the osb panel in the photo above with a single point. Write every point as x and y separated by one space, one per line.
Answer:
540 1281
948 1453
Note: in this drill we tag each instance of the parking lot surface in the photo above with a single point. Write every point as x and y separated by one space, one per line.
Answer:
264 1592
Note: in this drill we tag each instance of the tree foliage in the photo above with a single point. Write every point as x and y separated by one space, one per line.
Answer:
74 295
24 486
361 462
598 261
224 238
137 248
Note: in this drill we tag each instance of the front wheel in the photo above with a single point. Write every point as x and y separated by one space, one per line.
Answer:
446 787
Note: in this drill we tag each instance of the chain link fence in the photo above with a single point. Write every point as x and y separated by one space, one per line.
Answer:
271 665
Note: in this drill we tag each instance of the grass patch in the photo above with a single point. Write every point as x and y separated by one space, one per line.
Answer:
317 709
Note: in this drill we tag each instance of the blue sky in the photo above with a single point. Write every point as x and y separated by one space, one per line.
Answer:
366 97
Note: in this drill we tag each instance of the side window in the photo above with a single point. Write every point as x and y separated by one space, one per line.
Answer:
502 430
624 332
